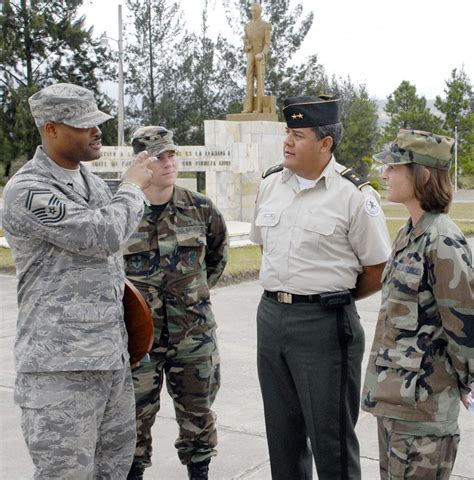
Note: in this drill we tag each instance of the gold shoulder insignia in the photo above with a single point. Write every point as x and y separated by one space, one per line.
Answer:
274 169
359 181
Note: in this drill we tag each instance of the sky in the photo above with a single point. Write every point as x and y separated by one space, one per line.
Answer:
378 43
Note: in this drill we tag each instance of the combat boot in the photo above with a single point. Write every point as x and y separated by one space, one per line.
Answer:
198 471
136 472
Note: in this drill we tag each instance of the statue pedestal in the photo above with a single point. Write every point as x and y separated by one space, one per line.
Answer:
268 113
254 147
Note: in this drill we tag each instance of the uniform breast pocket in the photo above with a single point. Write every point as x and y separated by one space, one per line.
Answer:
269 223
402 302
315 231
191 251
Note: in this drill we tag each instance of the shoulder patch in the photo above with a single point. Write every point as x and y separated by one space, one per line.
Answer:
46 206
371 206
274 169
355 178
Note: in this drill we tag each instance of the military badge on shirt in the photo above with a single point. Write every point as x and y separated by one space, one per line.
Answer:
371 206
46 206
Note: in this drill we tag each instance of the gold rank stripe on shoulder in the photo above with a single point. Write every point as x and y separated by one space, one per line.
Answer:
274 169
355 178
313 103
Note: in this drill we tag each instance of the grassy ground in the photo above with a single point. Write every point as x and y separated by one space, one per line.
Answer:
457 211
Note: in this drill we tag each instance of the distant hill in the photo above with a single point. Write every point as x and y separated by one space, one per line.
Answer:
383 118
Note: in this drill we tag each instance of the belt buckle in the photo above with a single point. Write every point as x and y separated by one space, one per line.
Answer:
284 297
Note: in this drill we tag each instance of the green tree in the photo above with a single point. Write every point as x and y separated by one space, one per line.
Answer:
152 61
360 132
196 79
203 84
457 107
42 42
408 110
209 72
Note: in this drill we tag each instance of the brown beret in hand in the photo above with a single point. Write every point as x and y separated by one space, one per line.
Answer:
139 323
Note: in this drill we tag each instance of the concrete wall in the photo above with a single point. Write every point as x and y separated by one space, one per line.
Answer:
256 146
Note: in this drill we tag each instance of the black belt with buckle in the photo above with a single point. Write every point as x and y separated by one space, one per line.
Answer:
327 300
284 297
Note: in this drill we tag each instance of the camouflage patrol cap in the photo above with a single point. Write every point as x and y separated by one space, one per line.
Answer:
416 146
154 139
66 103
306 112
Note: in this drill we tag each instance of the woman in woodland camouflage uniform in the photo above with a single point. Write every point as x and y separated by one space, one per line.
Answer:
422 360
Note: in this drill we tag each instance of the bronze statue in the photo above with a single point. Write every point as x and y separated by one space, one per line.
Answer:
256 45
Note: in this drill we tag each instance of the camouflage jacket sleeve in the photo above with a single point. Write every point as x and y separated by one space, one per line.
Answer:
453 289
41 211
217 247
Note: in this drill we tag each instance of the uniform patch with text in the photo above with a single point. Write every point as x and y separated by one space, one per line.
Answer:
46 206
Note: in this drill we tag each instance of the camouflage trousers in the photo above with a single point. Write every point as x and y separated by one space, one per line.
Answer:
78 425
192 379
408 456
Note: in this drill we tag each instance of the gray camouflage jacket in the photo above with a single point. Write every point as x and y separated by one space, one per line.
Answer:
422 357
69 268
175 258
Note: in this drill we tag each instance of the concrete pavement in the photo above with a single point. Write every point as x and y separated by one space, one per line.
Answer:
242 446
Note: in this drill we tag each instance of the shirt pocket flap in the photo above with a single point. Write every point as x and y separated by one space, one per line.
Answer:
391 358
267 219
321 225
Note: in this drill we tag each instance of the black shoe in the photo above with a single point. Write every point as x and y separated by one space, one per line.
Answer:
198 471
136 472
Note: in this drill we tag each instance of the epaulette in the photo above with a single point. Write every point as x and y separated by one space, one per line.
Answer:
355 178
274 169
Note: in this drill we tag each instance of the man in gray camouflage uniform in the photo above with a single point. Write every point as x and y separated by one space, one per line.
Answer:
422 359
177 254
65 230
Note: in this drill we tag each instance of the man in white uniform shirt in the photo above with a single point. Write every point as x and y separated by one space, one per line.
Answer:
325 244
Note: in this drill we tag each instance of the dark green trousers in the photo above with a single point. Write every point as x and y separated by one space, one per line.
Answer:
309 367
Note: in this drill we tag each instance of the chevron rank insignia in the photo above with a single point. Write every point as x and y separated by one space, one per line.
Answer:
46 206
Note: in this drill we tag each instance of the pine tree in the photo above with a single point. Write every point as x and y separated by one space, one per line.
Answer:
458 112
407 110
152 61
42 42
360 132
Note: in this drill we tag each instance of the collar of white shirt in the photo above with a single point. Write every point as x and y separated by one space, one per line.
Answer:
327 174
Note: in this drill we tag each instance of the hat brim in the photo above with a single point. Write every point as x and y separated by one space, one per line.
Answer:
164 147
89 120
390 158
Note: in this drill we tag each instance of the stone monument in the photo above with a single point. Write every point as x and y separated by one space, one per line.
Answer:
257 35
233 158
